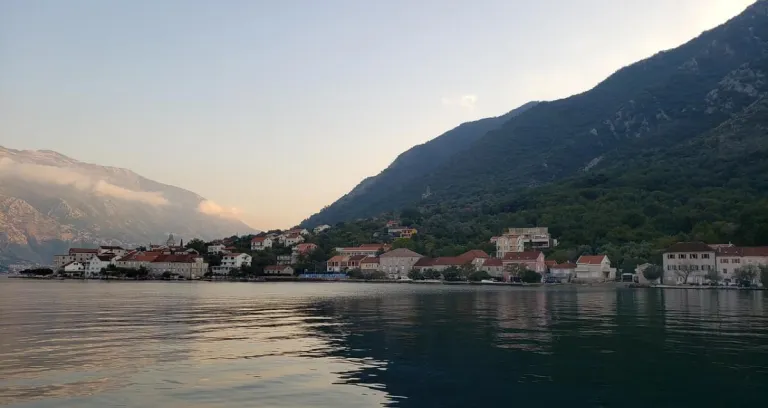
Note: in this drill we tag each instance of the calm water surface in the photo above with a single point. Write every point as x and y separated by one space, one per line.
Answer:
149 344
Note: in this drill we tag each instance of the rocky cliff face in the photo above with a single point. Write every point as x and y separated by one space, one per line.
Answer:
49 201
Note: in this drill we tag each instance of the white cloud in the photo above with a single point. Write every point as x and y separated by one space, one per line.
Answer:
38 173
463 101
211 208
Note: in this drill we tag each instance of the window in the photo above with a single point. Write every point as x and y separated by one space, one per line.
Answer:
670 256
704 256
695 267
737 261
723 261
681 256
725 271
694 256
669 267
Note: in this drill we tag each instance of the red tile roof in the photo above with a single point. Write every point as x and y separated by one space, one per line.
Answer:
105 258
370 260
449 261
356 258
425 262
550 263
338 258
755 251
470 256
493 262
564 266
522 256
258 239
176 258
590 259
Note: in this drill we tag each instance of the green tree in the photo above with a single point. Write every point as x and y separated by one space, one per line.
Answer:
712 275
764 275
415 274
355 274
747 273
653 272
529 276
432 274
198 245
453 274
478 276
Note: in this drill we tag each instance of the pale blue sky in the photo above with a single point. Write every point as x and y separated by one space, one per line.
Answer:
280 107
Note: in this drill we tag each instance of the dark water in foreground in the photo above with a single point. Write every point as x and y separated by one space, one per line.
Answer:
95 344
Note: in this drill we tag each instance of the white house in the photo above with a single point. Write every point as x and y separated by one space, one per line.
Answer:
694 259
321 228
218 248
399 262
261 243
278 270
96 264
563 271
594 268
74 268
230 262
291 239
236 260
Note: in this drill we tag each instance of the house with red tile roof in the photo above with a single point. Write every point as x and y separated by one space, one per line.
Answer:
594 268
564 271
278 270
533 260
304 248
495 268
188 266
337 263
370 263
261 243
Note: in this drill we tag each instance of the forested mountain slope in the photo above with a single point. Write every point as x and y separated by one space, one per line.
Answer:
657 104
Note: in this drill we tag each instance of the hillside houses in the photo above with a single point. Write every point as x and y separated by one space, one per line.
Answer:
261 243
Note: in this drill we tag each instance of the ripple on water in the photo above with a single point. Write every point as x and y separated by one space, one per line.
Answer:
96 344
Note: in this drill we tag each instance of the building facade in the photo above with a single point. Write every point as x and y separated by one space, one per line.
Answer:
397 263
690 262
594 268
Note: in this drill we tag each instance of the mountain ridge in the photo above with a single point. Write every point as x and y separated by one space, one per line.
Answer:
49 201
658 102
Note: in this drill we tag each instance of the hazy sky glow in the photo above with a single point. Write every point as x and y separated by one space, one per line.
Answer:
279 107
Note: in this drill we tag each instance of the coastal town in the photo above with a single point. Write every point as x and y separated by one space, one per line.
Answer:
519 258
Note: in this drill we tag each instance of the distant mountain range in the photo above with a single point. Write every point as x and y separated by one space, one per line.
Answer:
49 201
637 115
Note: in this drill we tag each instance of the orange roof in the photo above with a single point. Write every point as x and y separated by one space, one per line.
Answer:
425 261
178 258
449 261
567 265
258 239
370 260
493 262
591 259
356 258
550 262
338 258
522 256
754 251
470 256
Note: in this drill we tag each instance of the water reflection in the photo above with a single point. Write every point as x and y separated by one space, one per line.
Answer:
345 345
